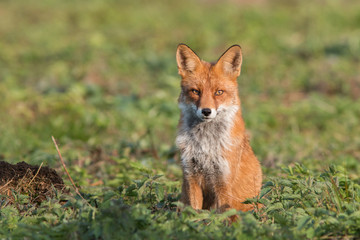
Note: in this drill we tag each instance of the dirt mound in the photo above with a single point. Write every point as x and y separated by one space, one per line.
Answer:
22 178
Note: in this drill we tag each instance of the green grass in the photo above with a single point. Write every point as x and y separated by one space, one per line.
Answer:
101 77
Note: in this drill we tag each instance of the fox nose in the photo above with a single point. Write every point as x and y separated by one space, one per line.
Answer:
206 112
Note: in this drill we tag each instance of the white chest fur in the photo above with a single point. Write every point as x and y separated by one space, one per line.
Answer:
202 143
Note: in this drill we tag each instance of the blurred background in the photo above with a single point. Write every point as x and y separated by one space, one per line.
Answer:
101 77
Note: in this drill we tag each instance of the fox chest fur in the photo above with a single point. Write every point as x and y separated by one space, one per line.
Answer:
202 144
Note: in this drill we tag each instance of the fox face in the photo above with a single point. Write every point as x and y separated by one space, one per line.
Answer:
208 89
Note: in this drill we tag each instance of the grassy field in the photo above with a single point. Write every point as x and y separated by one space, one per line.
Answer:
101 77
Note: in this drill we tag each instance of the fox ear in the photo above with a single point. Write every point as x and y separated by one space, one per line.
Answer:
187 60
230 62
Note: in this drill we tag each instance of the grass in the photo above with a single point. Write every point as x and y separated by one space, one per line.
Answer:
101 77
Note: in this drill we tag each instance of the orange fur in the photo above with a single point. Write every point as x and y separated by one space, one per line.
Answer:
237 174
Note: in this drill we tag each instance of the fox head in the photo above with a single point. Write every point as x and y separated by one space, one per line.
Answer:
208 89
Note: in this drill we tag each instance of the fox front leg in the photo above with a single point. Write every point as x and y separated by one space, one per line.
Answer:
192 193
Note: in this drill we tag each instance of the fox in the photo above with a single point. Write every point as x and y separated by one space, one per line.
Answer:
220 169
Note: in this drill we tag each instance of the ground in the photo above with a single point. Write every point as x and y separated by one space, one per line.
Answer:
22 178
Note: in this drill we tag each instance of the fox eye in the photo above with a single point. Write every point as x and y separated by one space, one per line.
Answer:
196 92
219 92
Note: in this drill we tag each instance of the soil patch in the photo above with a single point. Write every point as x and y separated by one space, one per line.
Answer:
29 180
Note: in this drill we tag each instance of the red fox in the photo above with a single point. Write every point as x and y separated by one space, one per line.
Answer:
220 169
